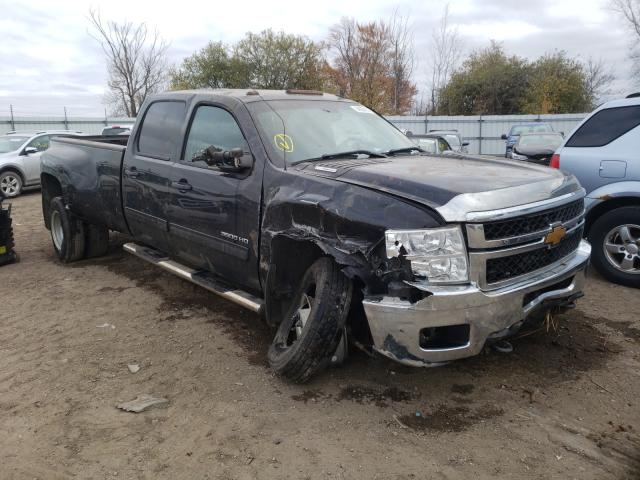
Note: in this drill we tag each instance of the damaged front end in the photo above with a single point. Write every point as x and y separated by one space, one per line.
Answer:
434 284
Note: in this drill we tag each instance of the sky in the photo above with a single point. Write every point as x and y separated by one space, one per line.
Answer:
49 60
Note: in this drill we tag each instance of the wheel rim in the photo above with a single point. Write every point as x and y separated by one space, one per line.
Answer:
622 248
301 316
10 185
57 233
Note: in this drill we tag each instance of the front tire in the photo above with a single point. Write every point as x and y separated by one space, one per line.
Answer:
67 232
615 239
310 332
10 184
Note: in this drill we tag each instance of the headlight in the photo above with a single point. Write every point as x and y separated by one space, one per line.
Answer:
517 156
438 254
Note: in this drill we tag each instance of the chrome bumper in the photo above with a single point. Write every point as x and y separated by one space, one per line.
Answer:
396 324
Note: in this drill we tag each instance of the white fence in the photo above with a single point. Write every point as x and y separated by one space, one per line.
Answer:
481 131
91 125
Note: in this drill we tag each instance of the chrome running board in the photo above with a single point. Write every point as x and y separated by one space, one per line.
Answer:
199 277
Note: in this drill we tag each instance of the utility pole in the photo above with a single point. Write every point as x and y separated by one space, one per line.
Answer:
13 123
66 122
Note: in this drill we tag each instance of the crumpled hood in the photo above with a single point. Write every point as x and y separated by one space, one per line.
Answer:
436 181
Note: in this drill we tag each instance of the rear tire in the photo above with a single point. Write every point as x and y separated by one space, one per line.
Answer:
10 183
96 241
615 240
67 232
309 334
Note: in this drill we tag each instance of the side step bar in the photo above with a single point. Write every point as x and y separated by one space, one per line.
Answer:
199 277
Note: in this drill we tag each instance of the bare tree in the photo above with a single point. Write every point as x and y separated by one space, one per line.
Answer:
629 10
598 79
372 63
136 62
402 61
447 47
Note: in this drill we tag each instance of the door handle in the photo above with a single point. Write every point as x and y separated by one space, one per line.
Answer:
181 186
131 172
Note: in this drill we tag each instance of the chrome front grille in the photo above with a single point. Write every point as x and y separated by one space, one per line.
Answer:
537 222
507 251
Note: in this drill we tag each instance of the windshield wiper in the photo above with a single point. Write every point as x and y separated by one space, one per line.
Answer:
328 156
350 153
405 150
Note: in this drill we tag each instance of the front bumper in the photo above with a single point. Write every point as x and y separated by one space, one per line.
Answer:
396 324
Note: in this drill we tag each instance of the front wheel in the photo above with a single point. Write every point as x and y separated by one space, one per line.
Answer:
310 332
10 184
615 238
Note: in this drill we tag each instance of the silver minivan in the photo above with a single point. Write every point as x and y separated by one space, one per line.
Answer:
20 159
603 152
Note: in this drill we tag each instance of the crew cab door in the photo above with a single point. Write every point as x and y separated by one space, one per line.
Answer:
146 172
215 215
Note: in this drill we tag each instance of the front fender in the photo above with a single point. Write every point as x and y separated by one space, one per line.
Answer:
344 221
12 165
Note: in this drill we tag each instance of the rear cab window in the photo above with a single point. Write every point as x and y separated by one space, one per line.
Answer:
605 126
159 134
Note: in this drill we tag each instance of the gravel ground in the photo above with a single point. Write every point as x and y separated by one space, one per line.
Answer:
565 404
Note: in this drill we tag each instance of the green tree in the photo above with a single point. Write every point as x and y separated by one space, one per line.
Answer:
263 60
557 84
280 60
489 82
211 67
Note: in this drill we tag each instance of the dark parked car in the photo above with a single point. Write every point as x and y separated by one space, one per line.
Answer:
536 147
318 214
517 130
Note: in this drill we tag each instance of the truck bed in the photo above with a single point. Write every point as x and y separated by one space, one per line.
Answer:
89 168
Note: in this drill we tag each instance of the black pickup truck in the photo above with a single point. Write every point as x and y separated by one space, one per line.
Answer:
321 216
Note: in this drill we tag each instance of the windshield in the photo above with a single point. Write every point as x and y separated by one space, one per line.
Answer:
11 143
427 144
552 141
299 130
520 129
453 139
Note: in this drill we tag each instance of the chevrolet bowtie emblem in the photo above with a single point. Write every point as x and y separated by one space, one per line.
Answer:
556 235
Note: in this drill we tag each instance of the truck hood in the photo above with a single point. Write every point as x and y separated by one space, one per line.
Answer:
454 185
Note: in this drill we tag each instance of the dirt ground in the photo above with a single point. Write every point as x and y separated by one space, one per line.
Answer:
565 404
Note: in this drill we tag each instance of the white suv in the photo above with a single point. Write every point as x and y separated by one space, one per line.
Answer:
603 152
20 159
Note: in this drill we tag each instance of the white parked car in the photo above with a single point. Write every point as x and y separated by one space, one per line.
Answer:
20 159
114 130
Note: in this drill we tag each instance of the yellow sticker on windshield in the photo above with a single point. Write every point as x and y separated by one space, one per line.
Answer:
283 142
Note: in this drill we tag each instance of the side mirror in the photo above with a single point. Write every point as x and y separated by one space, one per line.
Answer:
504 136
30 150
465 144
562 133
234 160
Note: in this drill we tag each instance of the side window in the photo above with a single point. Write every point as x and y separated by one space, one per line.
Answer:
443 145
160 131
41 143
605 126
212 126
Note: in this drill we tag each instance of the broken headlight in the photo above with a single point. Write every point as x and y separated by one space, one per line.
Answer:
439 254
